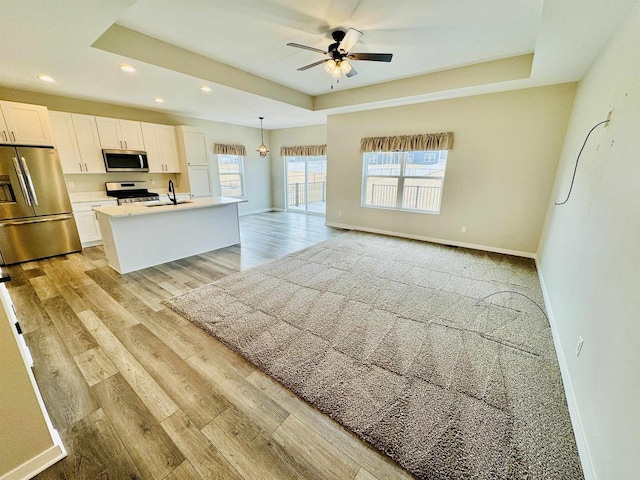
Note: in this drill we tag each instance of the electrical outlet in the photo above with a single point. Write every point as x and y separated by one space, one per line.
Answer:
71 184
463 229
340 213
153 181
579 346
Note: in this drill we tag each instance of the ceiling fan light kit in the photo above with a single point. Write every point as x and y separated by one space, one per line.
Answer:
340 53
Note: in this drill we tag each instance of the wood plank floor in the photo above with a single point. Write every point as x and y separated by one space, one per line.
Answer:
137 392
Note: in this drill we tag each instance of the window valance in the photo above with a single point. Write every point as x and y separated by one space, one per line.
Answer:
404 143
222 149
303 151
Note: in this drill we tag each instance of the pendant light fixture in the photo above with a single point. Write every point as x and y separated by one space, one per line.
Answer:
262 149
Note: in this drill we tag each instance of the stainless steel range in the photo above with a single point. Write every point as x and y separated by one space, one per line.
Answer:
130 192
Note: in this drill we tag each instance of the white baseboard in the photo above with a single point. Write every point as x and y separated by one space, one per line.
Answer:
506 251
37 464
581 441
251 212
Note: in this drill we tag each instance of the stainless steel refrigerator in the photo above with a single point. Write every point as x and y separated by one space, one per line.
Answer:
35 210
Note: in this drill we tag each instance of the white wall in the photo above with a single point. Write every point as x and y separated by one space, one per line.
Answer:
499 174
286 137
590 258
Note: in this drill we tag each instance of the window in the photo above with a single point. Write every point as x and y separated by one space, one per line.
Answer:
404 180
231 172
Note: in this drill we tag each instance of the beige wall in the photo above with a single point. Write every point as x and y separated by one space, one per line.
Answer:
590 258
257 182
23 429
313 135
499 174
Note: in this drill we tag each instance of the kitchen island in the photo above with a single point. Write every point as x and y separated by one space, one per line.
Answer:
137 236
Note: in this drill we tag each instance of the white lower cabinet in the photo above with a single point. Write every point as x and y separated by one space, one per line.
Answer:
87 222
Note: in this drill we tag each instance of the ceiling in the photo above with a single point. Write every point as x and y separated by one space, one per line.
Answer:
239 49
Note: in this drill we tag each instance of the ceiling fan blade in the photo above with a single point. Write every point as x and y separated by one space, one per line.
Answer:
307 67
304 47
352 72
350 39
373 57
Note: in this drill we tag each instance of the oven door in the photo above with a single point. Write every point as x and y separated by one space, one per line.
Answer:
125 161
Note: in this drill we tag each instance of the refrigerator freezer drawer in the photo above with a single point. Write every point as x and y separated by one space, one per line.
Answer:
31 238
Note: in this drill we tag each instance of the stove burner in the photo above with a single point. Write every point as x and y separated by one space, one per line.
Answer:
130 192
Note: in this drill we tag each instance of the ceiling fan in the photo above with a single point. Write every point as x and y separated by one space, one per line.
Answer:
339 54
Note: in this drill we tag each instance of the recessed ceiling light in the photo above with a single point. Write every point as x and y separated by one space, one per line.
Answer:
205 88
46 78
127 68
158 100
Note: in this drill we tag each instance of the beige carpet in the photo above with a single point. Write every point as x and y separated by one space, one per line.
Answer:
384 335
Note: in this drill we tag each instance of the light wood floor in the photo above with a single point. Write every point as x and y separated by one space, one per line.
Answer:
137 392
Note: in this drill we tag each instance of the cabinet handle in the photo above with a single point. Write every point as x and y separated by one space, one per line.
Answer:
80 166
4 134
85 168
14 136
121 144
6 278
125 144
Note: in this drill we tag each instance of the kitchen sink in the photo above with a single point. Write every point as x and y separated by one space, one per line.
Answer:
164 204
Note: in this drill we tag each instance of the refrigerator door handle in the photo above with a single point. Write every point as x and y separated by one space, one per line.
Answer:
55 218
23 185
28 175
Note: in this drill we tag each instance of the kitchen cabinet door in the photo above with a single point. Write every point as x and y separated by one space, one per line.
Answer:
195 148
4 131
150 136
87 222
169 148
88 143
131 135
109 133
64 139
118 134
200 181
26 124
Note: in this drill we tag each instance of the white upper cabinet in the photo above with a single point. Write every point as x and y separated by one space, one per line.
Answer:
118 134
194 144
76 139
161 147
64 139
88 143
25 124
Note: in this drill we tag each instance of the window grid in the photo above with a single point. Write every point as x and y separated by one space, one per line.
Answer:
411 181
231 175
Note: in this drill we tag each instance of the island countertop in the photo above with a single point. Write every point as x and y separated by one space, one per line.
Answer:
145 208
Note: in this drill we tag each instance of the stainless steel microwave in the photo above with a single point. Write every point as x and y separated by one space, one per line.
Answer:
125 161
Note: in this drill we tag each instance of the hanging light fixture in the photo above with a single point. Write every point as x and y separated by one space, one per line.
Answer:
262 149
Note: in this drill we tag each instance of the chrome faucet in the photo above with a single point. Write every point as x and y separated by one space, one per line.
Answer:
172 190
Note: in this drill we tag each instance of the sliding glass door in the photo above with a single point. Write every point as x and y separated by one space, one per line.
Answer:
307 184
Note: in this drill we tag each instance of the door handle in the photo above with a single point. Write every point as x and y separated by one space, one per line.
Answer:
140 158
23 185
28 174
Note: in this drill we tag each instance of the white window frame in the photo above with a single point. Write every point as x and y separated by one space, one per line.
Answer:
240 173
403 156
